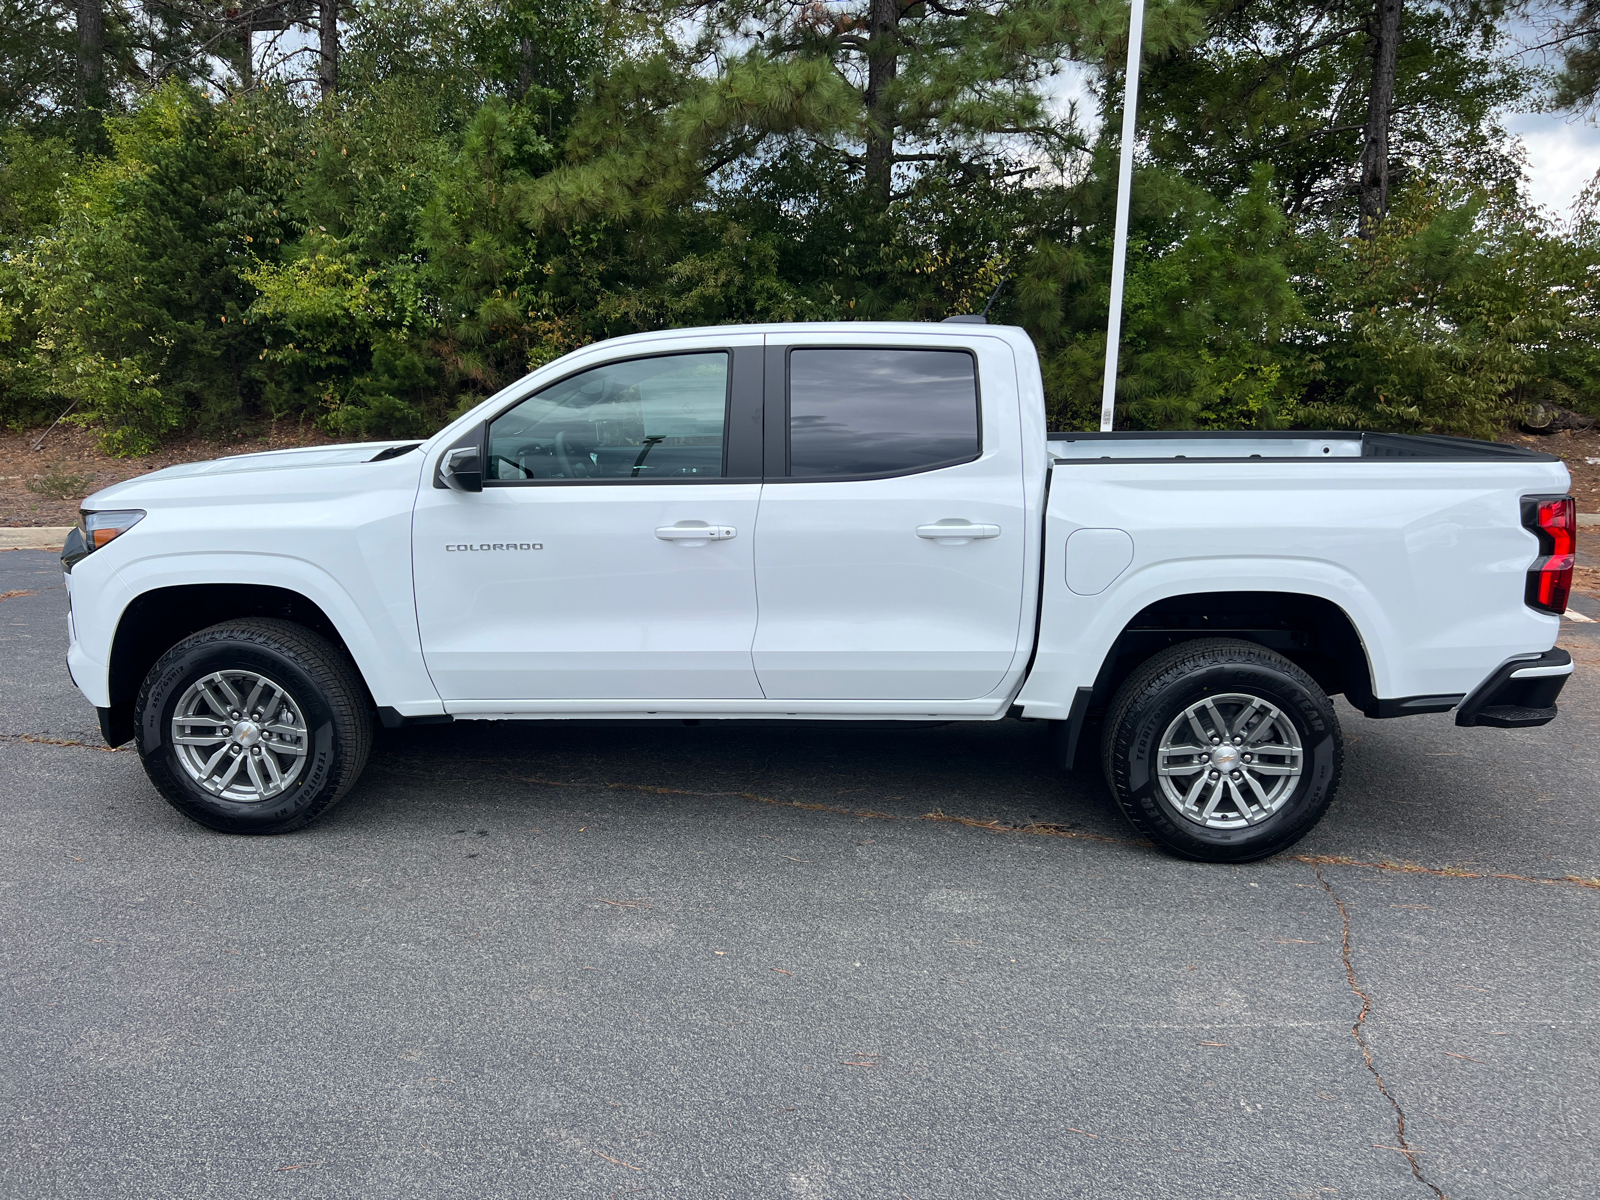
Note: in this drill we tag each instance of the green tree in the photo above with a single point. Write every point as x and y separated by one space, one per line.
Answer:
37 61
494 182
1288 84
139 284
1572 29
32 172
1463 311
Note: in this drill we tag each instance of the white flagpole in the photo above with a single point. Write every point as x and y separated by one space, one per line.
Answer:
1119 251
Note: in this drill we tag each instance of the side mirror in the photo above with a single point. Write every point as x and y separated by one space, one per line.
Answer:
461 467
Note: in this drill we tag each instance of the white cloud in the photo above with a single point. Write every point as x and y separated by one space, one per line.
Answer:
1563 156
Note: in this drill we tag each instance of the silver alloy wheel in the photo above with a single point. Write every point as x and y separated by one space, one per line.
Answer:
240 735
1229 761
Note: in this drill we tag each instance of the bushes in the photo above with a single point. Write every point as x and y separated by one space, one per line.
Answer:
136 289
1462 313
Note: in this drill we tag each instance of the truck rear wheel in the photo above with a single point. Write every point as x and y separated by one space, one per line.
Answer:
1219 750
253 726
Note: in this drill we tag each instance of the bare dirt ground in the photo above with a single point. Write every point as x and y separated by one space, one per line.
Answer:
43 487
1581 450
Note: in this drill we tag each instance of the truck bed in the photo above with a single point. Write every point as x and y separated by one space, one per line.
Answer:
1417 540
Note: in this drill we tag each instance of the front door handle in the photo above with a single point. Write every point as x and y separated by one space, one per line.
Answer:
696 533
951 532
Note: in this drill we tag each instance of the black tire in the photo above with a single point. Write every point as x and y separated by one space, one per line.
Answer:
323 685
1161 690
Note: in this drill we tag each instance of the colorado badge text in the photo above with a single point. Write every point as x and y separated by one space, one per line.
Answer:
454 547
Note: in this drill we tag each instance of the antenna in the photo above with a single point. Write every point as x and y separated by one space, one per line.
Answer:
981 318
1004 275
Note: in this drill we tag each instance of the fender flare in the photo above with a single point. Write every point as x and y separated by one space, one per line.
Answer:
389 660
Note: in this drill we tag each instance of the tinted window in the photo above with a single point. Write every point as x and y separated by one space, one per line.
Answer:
648 418
866 412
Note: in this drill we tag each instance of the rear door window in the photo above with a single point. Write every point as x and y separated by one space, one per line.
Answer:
858 412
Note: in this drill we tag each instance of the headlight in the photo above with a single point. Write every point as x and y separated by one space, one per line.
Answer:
94 530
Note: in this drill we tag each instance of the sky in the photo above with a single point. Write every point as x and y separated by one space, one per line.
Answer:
1563 156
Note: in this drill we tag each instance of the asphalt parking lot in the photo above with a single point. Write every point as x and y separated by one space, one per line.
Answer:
700 961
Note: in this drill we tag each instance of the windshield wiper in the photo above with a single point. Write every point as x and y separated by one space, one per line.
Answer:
389 452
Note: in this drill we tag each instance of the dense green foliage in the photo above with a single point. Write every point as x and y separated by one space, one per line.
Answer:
499 181
1572 28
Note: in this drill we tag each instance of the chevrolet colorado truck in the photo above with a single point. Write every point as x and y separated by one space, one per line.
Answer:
823 522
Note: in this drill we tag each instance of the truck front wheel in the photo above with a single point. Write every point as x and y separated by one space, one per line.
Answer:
1219 750
253 726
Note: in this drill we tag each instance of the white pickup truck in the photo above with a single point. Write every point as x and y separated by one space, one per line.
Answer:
823 522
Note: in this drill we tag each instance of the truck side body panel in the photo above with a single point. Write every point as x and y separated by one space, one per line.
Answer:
1427 559
336 532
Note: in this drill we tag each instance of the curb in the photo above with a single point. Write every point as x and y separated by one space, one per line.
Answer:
45 538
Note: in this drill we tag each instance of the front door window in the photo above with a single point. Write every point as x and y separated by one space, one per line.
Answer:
641 419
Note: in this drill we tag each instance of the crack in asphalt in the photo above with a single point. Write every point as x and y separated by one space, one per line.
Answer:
1357 1032
1408 868
40 740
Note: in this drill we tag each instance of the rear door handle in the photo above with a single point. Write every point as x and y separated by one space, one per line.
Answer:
696 533
954 533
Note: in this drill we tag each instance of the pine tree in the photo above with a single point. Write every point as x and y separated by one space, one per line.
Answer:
1292 83
1573 29
885 88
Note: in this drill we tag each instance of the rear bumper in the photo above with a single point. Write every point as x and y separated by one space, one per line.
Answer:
1518 694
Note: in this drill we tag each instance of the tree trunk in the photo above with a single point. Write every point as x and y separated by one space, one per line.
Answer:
328 45
883 60
247 50
1374 185
91 53
525 66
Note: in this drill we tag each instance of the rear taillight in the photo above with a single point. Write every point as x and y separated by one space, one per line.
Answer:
1554 521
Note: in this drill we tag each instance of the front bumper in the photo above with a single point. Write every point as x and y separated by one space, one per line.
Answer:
1518 694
